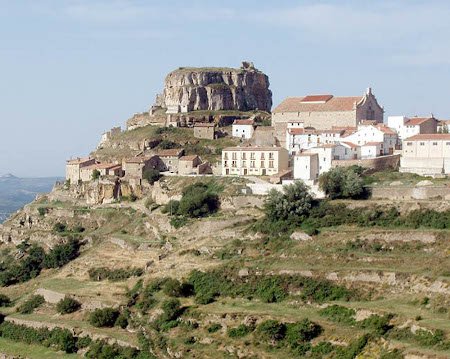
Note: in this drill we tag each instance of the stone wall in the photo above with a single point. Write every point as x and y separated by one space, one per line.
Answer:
377 163
417 193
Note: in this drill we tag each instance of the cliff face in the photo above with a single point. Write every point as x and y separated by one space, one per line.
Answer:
215 89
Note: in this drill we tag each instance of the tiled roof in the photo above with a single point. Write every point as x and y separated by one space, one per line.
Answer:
372 144
306 154
251 148
297 104
244 122
386 130
429 137
100 166
317 98
296 131
188 158
173 152
138 159
78 161
417 120
351 145
204 124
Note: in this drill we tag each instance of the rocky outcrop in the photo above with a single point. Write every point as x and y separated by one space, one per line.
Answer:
190 89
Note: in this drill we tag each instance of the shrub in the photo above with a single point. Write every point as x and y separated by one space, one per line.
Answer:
342 182
101 273
59 227
293 204
4 300
167 144
198 200
62 254
378 324
95 175
31 304
68 305
178 222
122 320
271 330
171 309
172 288
301 332
102 350
105 317
215 327
270 290
240 331
42 211
151 175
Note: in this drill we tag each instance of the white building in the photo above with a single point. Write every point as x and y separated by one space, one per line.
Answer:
384 136
426 154
408 127
243 128
254 161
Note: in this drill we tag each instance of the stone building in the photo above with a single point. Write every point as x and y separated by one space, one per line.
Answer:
74 166
188 165
426 154
171 158
254 161
104 169
136 166
322 112
204 130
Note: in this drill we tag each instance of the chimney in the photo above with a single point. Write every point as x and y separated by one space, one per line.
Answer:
369 91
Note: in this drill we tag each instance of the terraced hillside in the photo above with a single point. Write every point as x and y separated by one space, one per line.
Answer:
357 278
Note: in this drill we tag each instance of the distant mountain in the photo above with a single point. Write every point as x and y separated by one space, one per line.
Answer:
16 192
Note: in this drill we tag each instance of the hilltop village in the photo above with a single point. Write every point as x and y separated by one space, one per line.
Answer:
302 138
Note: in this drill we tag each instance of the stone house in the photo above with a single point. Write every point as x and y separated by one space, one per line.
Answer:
408 127
381 134
426 154
74 166
243 128
104 169
136 166
170 159
204 130
188 165
322 112
443 126
254 161
264 136
108 135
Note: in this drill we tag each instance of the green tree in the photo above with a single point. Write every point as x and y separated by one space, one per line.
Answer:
151 175
342 182
95 175
67 305
293 204
105 317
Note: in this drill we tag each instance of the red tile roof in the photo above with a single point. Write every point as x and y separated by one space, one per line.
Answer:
317 98
417 120
100 166
297 104
372 144
78 161
429 137
137 159
188 158
244 122
204 124
173 152
351 145
386 130
296 131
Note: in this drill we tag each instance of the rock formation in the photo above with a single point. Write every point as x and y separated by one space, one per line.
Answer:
190 89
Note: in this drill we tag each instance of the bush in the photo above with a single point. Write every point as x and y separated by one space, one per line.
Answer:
292 205
105 317
101 273
68 305
122 320
59 227
178 222
215 327
271 330
379 325
271 290
42 211
339 314
301 332
198 200
342 182
171 309
95 175
4 300
172 288
31 304
62 254
151 175
240 331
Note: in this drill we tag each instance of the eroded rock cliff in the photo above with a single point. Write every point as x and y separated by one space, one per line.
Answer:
214 89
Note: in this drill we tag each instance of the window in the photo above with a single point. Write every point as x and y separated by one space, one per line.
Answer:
408 143
252 155
422 143
270 164
262 164
234 156
262 155
252 164
243 155
233 164
225 156
434 143
447 143
225 163
244 163
270 155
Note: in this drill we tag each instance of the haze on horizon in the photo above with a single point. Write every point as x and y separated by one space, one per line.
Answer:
72 69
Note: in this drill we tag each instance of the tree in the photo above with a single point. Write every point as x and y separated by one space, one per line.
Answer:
151 175
198 200
67 305
342 182
293 204
95 175
105 317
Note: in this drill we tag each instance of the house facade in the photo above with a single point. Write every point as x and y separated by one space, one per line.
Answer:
170 158
188 165
204 130
243 128
74 166
426 154
408 127
254 161
325 111
135 167
104 169
379 136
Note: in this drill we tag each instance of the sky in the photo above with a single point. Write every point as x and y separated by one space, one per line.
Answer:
70 70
